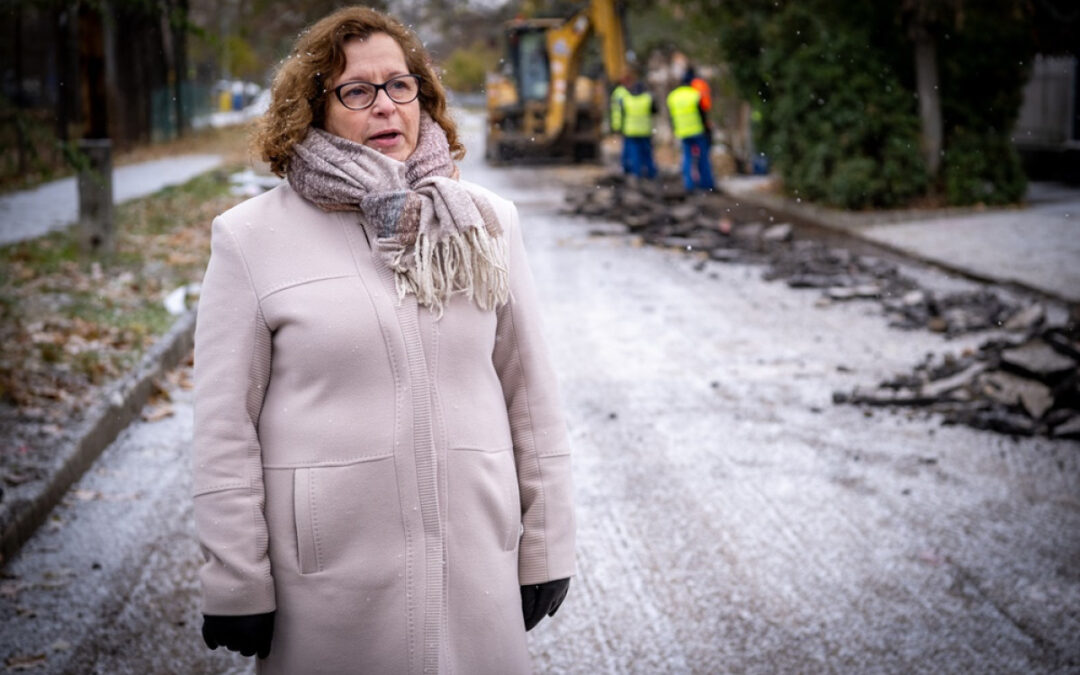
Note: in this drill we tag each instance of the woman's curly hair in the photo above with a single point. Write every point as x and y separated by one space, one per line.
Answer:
299 92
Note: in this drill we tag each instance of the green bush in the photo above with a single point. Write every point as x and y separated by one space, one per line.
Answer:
841 128
466 67
835 86
983 66
982 169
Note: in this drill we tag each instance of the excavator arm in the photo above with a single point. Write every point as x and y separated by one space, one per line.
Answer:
565 48
608 24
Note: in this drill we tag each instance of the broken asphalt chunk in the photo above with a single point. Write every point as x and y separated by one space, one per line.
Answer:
1026 318
938 388
781 232
1015 391
1067 429
1038 360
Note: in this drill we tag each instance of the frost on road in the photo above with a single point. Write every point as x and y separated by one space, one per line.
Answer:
730 518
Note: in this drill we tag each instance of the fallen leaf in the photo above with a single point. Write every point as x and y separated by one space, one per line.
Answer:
183 259
931 558
161 388
10 589
121 497
51 585
86 495
25 661
186 382
14 478
158 412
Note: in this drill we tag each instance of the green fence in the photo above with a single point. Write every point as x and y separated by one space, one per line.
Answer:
195 101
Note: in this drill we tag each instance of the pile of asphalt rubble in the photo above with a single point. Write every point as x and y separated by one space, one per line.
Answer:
1023 381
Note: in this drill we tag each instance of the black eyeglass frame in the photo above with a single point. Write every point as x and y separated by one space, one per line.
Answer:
419 84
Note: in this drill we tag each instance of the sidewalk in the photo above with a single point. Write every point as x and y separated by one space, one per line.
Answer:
1036 247
52 206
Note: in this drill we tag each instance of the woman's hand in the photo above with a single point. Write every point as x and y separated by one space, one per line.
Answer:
540 599
248 634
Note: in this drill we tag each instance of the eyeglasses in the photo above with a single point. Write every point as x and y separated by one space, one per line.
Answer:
361 95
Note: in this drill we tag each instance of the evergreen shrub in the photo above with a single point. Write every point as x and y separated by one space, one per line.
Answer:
982 169
841 128
836 89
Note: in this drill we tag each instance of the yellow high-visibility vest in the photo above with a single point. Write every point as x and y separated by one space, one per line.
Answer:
682 103
637 121
617 97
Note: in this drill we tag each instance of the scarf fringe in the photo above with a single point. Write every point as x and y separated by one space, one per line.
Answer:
471 262
436 235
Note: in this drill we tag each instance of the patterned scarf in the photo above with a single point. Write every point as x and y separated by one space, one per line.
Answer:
437 237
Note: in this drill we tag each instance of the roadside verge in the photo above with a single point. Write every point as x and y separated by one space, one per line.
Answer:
121 403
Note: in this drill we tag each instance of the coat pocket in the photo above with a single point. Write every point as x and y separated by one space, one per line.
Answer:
305 516
484 497
348 517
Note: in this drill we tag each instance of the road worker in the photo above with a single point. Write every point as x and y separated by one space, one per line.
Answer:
688 121
621 91
706 101
637 120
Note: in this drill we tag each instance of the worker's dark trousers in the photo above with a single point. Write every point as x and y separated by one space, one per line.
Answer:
641 157
625 157
696 156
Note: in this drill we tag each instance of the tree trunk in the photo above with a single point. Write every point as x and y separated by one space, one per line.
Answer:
158 90
926 77
67 62
21 130
93 86
178 26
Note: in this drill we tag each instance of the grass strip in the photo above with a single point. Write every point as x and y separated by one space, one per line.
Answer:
70 322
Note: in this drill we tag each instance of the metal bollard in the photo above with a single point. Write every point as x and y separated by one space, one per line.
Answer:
96 196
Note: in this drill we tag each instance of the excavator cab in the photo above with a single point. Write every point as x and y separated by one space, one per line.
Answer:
527 49
518 95
539 106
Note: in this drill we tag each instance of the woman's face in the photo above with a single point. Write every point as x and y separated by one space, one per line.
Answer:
391 128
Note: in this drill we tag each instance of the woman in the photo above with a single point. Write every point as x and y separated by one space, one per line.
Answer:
381 466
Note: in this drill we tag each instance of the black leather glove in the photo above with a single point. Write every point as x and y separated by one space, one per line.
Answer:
540 599
248 634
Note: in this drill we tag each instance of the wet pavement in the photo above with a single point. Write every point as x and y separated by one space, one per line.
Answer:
1037 246
108 584
731 518
26 214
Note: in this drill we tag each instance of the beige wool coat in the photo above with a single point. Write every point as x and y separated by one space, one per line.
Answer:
382 478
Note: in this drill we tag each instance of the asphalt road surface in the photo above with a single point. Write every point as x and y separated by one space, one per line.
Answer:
731 518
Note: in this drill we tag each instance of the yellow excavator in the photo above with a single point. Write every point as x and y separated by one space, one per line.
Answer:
539 105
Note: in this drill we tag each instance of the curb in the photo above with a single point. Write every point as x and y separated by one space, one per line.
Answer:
123 400
851 224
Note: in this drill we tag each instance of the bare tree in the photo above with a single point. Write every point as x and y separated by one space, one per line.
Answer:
924 18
